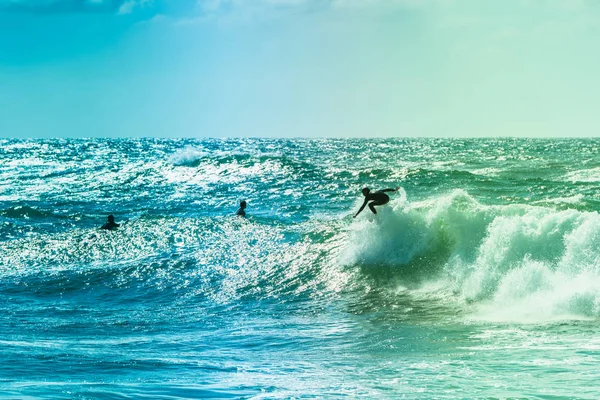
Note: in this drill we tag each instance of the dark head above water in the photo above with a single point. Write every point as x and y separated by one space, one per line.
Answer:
110 223
241 211
366 191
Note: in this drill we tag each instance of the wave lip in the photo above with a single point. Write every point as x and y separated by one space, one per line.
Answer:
188 157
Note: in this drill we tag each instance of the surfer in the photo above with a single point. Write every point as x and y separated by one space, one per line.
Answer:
377 198
241 211
110 223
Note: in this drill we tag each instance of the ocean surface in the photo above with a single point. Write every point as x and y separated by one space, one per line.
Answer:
480 278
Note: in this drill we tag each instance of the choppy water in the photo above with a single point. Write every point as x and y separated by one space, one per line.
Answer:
481 278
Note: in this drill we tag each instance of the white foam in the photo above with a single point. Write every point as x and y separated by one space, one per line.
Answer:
515 262
585 175
188 157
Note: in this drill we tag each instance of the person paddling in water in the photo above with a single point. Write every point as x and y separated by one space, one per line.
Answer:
110 223
241 211
377 198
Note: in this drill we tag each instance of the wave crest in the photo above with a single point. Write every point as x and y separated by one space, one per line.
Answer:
514 262
188 157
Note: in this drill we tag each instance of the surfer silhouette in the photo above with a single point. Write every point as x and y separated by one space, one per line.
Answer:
110 223
241 211
377 198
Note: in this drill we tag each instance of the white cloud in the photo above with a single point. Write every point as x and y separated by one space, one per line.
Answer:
127 7
130 5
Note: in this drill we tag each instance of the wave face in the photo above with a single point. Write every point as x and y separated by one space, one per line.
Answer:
490 247
516 262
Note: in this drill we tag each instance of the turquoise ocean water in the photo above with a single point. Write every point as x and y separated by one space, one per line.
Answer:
480 279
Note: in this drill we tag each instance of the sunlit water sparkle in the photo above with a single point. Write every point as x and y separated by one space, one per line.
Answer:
480 279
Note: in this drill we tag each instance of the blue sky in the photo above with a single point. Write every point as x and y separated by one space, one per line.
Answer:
299 68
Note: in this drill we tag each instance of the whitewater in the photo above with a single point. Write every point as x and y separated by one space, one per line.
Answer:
479 279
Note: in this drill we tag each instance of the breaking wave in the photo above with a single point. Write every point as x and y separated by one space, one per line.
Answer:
189 157
502 262
515 262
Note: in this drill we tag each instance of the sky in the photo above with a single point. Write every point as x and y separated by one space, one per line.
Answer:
299 68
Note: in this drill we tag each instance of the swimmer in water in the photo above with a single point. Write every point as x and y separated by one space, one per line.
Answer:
377 198
110 223
241 211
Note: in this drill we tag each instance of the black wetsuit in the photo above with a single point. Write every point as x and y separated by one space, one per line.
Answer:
110 225
377 198
241 212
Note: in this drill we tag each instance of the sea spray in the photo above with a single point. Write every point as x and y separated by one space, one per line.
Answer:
189 156
418 237
498 256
